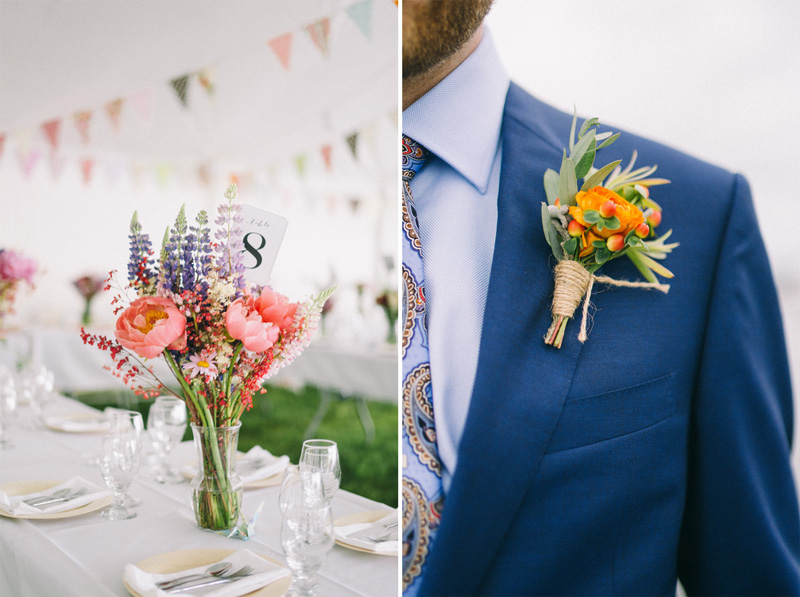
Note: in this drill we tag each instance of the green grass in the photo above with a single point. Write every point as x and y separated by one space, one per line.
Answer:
279 418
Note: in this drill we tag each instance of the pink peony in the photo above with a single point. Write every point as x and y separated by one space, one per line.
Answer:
151 324
14 265
244 323
275 308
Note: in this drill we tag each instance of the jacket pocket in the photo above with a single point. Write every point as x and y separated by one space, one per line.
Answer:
590 419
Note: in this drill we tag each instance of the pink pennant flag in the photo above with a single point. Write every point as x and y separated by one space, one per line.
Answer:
2 144
319 31
82 119
326 156
87 165
143 104
28 159
114 111
51 130
204 174
282 46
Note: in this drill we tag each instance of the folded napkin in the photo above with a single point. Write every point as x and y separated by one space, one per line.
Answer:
80 423
15 505
264 573
255 465
344 534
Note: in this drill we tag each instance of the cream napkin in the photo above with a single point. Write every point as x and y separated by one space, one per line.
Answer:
264 573
343 534
15 505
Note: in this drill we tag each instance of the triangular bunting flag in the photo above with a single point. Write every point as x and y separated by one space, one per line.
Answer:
143 104
319 31
326 155
181 87
282 46
204 174
204 78
300 162
114 111
352 143
51 130
361 13
87 164
2 144
163 172
82 119
27 160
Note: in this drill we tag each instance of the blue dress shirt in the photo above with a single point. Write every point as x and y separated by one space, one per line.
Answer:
455 196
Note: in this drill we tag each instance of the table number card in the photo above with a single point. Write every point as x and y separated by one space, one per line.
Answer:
262 234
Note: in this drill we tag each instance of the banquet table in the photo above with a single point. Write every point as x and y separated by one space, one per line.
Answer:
86 555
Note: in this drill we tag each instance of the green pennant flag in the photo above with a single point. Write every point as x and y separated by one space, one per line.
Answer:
181 87
361 13
300 162
352 143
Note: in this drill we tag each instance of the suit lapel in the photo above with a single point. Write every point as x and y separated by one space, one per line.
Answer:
521 383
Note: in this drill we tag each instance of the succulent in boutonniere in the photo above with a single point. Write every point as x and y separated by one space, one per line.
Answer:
610 215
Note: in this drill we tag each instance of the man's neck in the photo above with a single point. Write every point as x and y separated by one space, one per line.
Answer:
417 86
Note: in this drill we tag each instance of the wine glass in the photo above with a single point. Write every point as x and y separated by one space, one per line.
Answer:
119 465
296 488
128 424
306 538
8 405
166 423
36 387
321 456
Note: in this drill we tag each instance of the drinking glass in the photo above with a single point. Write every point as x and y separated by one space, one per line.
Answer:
321 456
8 405
119 465
166 423
128 423
35 385
306 538
298 489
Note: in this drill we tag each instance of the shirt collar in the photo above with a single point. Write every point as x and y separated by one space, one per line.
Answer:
459 119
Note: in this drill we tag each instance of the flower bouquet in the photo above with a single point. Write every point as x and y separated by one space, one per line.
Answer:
15 269
88 287
387 300
610 215
220 335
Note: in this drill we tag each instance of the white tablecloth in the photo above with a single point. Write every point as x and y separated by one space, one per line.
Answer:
85 556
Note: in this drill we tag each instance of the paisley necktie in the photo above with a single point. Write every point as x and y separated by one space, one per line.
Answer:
422 473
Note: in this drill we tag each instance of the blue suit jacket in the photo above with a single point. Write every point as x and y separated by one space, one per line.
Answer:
657 450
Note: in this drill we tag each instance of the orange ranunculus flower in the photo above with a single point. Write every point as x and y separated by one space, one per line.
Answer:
628 214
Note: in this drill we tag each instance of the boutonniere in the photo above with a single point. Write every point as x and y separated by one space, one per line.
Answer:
610 215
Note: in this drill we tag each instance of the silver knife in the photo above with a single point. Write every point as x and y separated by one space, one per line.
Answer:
371 530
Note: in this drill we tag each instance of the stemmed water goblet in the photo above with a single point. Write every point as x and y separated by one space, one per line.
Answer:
128 424
306 538
35 384
119 465
166 424
321 456
300 489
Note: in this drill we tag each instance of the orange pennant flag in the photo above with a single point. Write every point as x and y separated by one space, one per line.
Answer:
114 110
51 130
82 119
326 155
319 32
87 165
282 46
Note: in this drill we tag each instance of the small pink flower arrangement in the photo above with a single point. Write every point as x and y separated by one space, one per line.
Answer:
220 335
15 269
88 287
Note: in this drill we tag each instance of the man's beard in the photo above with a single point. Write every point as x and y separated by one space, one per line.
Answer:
433 30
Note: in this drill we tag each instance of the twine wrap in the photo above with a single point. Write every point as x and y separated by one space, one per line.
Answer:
573 282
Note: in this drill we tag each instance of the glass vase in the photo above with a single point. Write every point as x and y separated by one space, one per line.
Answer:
216 488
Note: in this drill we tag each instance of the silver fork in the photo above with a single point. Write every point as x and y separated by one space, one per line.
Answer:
65 498
390 536
44 498
232 577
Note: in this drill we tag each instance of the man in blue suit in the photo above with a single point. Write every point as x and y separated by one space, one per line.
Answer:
656 451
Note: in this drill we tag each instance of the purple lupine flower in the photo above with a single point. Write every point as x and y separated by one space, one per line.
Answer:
172 254
141 251
230 244
202 257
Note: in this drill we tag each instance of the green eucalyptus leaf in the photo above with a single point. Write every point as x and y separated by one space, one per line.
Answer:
612 223
598 243
608 141
600 224
570 245
551 185
602 255
572 130
550 233
587 124
585 163
567 183
597 178
581 147
591 216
